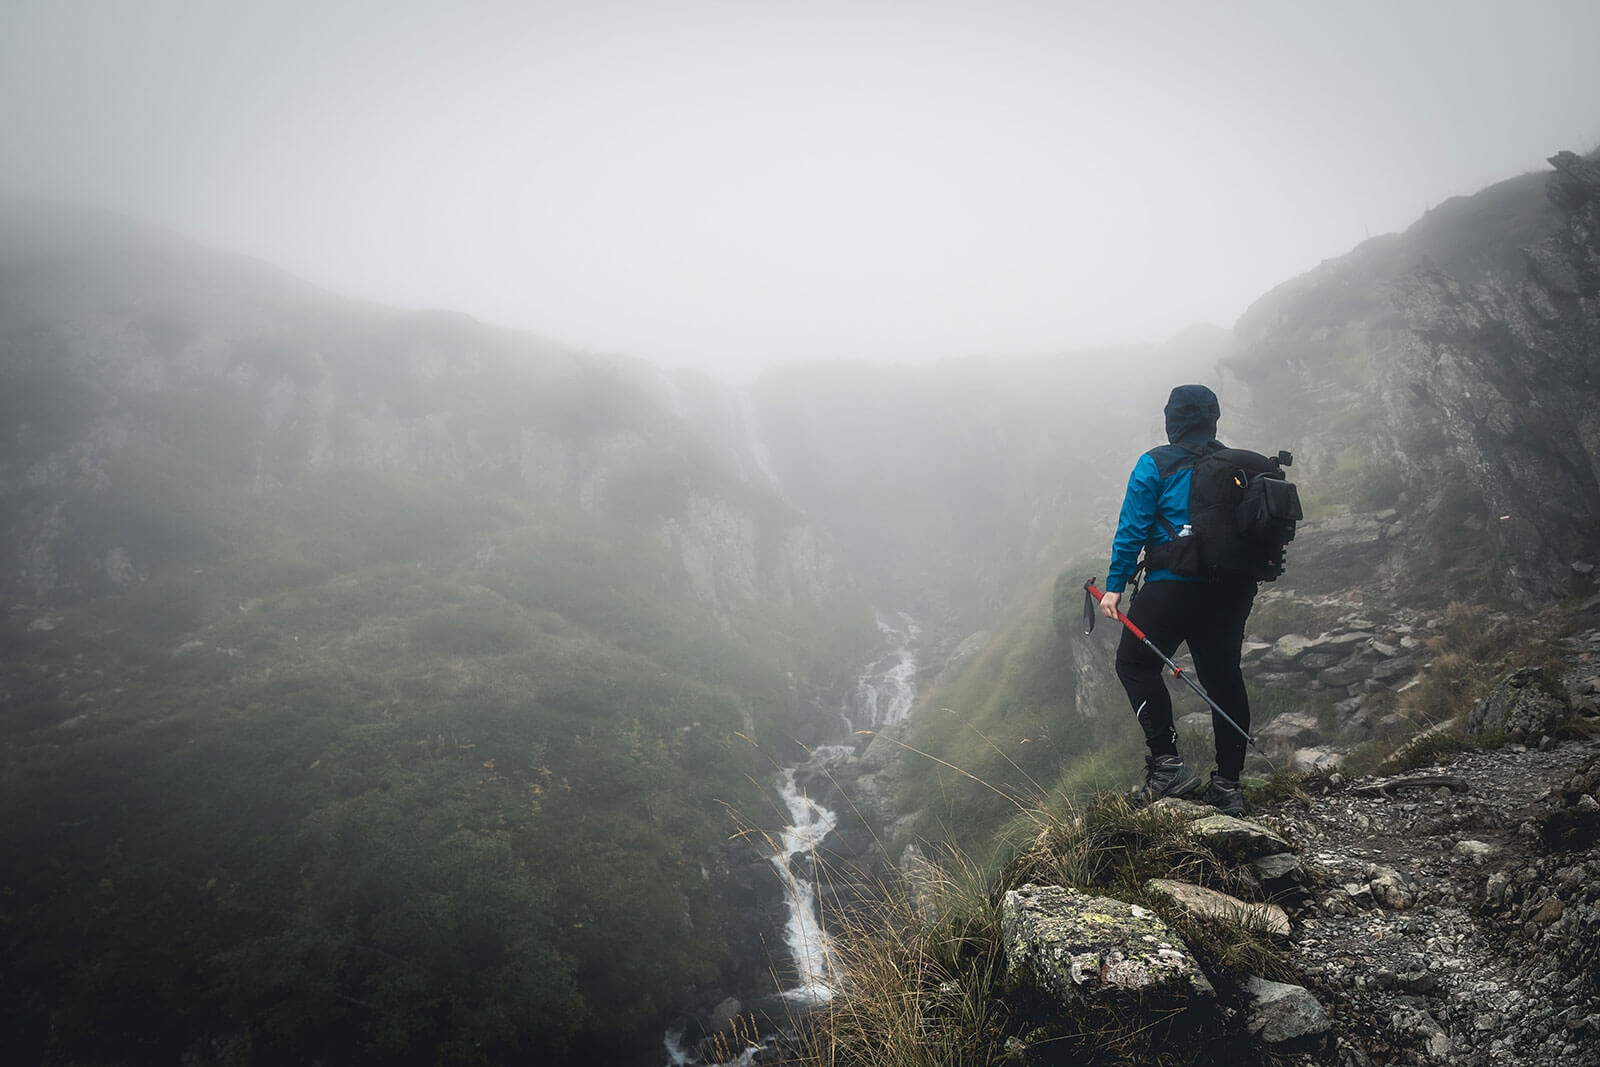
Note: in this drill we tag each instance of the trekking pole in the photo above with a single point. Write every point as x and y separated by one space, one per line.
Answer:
1089 590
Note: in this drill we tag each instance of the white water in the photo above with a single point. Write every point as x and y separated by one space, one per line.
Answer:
804 935
883 695
887 687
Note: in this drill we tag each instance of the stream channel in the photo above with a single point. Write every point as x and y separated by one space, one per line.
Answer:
883 694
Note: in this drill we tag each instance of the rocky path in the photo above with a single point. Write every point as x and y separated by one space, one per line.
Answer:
1454 911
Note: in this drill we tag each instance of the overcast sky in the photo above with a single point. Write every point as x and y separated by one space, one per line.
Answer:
726 184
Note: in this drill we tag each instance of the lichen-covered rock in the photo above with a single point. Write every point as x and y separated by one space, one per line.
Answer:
1205 903
1292 646
1315 757
1187 809
1072 946
1521 706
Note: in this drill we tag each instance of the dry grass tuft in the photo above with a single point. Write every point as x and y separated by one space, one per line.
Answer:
919 984
922 977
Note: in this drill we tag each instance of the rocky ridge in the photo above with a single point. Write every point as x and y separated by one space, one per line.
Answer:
1445 372
1446 914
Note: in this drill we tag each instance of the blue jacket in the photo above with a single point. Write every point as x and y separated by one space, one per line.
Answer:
1191 420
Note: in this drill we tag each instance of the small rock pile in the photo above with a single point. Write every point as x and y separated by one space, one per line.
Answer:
1346 663
1356 660
1351 659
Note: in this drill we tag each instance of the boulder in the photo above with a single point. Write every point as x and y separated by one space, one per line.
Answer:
1291 729
1276 867
1346 673
1203 903
1521 706
1074 947
1391 889
1344 642
1236 838
1385 670
1280 1013
1291 647
922 879
726 1013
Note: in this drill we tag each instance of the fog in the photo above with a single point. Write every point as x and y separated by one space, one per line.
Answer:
725 185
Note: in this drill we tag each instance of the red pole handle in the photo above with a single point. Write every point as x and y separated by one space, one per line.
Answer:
1089 588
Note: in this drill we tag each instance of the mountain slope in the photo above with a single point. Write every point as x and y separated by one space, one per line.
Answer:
1436 389
373 682
1447 372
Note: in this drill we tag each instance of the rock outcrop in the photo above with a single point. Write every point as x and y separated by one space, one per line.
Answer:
1074 952
1446 373
1521 707
1429 924
1076 947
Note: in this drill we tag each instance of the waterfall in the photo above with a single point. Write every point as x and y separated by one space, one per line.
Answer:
887 687
804 935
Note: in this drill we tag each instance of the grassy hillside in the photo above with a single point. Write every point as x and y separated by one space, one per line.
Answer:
378 767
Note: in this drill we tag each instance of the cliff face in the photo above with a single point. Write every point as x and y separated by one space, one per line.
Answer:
122 347
1448 372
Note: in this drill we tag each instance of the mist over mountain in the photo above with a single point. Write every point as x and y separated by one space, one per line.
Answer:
385 686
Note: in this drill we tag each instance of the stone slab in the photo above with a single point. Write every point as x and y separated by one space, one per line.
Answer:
1203 903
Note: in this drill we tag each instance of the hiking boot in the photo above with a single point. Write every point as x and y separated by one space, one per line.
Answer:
1164 776
1224 795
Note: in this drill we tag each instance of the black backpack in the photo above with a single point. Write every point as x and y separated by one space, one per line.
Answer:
1242 512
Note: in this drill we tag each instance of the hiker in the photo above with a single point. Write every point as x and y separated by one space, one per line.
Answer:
1207 612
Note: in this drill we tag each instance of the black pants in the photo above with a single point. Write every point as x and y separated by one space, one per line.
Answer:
1210 616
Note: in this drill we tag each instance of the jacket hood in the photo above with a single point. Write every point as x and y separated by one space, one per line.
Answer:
1192 412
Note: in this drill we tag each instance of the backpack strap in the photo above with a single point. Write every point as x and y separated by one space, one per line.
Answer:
1173 457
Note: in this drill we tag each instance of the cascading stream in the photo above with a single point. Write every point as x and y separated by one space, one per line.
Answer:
883 695
804 935
887 688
